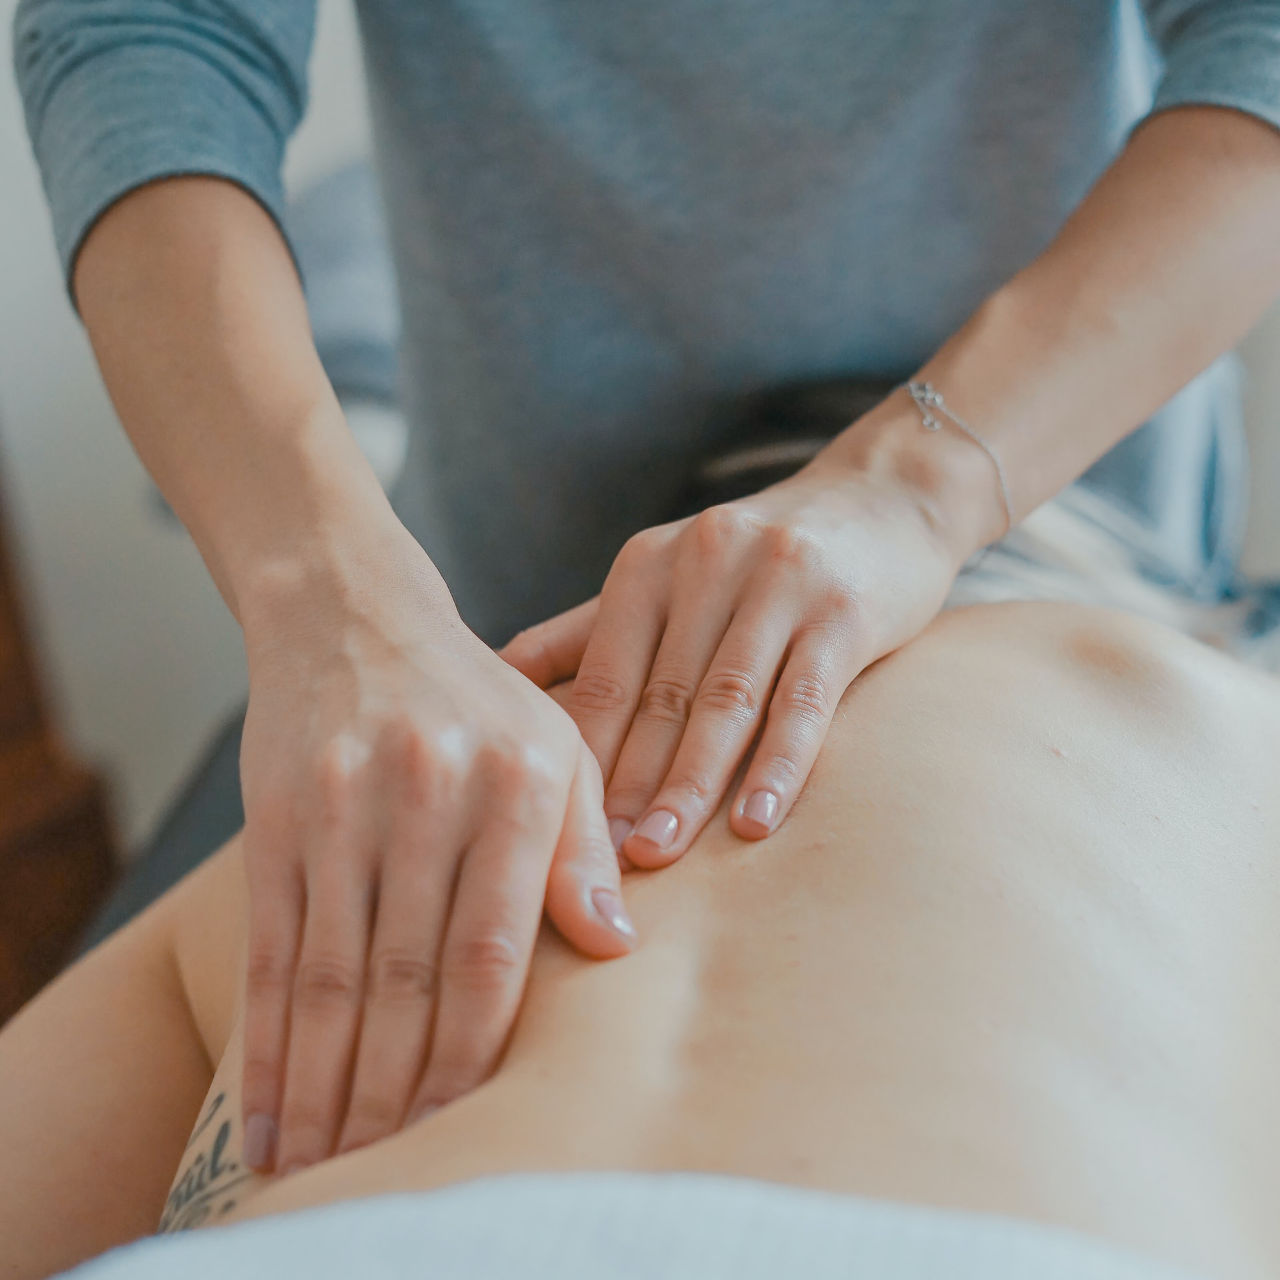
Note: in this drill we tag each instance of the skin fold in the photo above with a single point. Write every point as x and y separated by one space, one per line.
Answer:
1015 952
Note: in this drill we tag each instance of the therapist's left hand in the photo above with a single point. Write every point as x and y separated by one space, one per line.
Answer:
750 618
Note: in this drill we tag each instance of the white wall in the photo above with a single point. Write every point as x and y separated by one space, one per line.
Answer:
140 656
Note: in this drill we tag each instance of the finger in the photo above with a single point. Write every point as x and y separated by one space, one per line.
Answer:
402 978
818 671
328 990
275 926
727 711
552 650
701 613
619 653
584 888
493 923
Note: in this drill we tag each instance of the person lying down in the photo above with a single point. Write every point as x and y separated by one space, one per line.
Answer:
1002 997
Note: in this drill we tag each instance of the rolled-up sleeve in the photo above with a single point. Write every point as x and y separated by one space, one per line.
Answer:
1222 53
118 93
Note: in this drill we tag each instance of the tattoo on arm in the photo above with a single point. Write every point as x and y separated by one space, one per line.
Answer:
206 1187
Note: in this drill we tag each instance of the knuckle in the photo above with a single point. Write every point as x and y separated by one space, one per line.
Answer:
336 768
398 977
791 547
628 798
807 696
844 602
326 983
781 772
734 691
487 961
267 973
717 529
517 766
423 786
408 744
600 691
340 759
500 765
639 549
667 699
430 769
533 766
695 791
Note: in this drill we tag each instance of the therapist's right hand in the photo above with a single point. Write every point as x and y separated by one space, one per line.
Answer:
411 803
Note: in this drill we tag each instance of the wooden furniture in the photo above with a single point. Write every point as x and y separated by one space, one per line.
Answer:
57 855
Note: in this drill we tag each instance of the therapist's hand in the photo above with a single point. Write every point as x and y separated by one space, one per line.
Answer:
410 803
751 618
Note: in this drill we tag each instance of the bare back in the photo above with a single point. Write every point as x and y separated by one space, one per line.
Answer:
1016 950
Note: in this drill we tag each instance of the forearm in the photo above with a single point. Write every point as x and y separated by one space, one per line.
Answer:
1166 264
198 321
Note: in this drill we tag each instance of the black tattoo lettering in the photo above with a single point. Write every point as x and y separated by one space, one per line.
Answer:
206 1180
214 1107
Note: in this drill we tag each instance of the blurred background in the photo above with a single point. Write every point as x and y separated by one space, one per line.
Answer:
139 657
138 660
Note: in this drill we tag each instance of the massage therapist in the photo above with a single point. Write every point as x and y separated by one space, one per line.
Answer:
612 222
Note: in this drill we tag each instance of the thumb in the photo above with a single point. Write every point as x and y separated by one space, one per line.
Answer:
551 651
584 888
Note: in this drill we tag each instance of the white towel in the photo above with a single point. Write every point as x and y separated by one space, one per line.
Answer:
625 1226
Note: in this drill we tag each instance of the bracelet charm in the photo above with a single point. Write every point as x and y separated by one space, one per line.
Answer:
934 409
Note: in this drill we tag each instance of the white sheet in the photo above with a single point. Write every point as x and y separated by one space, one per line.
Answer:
625 1226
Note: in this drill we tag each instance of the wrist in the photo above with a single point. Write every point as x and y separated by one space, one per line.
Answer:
346 566
948 478
331 548
304 516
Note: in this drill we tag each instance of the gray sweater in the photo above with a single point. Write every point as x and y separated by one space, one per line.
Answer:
613 222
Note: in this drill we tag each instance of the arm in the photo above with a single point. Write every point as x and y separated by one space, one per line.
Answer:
200 328
362 727
763 611
410 802
1166 264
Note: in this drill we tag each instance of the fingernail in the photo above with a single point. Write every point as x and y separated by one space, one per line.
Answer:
658 828
609 907
619 830
259 1141
296 1167
761 808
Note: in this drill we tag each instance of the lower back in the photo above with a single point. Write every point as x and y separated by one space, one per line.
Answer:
1013 951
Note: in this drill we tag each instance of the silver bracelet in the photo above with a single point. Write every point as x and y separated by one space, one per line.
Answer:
930 403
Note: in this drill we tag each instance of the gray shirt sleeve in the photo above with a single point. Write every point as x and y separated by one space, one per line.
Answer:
1220 52
120 92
